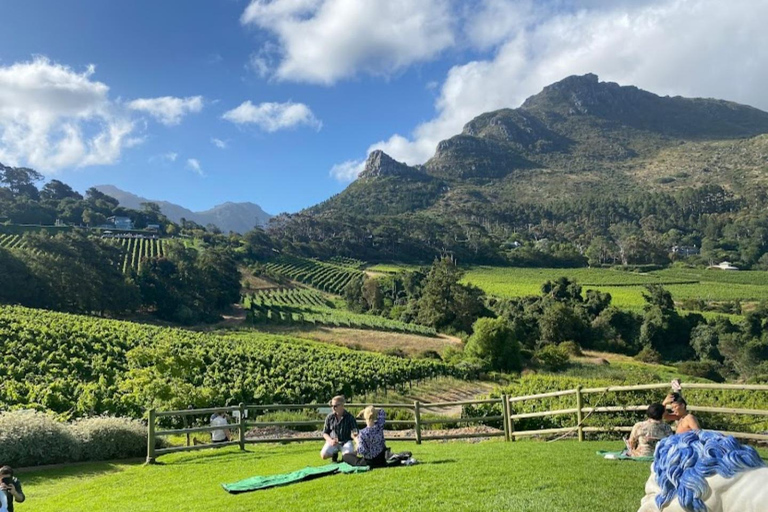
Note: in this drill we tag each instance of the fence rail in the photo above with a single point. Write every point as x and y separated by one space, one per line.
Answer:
507 418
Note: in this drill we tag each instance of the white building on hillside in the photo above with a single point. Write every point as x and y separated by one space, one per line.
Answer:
726 265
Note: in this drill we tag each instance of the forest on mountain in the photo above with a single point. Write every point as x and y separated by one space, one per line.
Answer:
585 172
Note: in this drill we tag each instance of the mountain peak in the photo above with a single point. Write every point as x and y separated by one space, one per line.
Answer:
229 216
381 164
630 106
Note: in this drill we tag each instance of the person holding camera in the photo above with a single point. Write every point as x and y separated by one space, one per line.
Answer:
10 487
337 431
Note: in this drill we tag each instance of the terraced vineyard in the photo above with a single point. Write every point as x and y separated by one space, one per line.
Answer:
82 365
299 306
299 297
137 249
8 241
347 262
324 276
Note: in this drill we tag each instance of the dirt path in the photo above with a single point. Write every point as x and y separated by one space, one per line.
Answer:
366 339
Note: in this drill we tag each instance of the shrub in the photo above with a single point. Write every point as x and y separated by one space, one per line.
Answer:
396 352
31 438
649 355
494 342
703 369
429 354
109 437
552 357
572 348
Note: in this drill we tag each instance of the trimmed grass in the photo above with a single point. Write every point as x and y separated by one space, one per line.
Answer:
523 476
626 288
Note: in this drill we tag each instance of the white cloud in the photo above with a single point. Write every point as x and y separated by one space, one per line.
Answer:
168 109
219 143
681 47
193 164
323 41
272 117
52 117
347 171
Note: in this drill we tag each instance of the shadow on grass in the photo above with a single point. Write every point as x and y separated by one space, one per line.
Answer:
80 471
442 461
207 458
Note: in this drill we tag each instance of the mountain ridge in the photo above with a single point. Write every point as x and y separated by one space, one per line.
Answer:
578 134
228 216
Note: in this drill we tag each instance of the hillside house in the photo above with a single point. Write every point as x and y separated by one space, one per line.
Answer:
685 250
121 222
725 265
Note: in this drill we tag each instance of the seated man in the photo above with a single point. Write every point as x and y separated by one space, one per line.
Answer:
221 435
337 431
679 412
646 434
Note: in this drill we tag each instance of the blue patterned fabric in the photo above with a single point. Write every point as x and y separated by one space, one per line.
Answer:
684 461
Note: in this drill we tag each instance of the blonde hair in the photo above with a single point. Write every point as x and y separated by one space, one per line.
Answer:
370 413
339 399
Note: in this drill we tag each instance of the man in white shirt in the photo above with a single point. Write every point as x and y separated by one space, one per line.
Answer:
220 435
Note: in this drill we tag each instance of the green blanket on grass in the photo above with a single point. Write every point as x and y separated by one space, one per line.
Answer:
623 456
309 473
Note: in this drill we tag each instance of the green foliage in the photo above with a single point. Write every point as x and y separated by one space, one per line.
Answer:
305 306
649 355
30 438
552 357
80 366
324 276
445 302
710 370
622 374
493 341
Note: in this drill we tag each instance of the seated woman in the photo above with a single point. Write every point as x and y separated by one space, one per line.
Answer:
678 411
371 447
646 434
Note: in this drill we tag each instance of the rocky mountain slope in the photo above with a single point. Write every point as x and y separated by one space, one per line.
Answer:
576 136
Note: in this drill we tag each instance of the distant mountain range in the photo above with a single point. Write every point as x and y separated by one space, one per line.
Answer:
238 217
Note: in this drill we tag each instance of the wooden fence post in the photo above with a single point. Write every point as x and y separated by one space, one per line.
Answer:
417 415
579 416
241 425
186 424
151 437
505 413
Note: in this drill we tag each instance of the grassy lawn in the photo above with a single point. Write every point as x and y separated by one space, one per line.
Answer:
626 288
524 476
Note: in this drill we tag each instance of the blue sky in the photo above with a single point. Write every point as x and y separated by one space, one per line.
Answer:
151 95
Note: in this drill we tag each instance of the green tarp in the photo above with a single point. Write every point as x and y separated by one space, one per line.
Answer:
265 482
622 456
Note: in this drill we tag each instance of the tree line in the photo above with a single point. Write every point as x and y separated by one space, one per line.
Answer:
542 331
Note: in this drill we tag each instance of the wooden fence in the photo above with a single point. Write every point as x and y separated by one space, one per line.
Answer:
579 412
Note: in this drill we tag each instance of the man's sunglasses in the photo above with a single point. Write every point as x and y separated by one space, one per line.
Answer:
334 406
